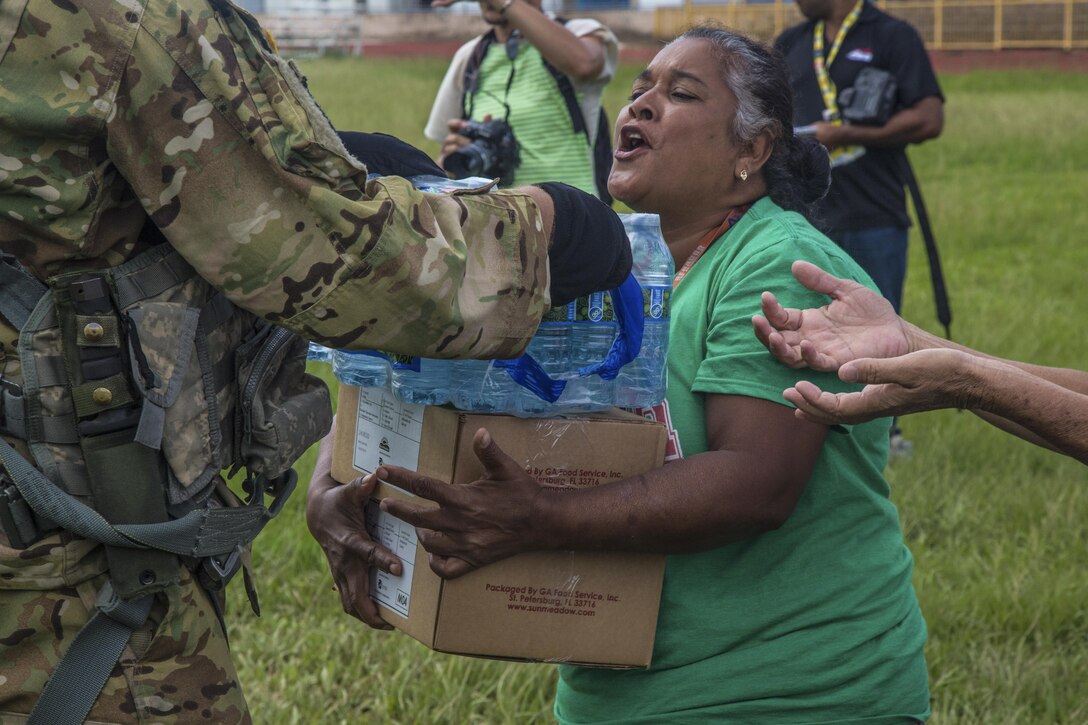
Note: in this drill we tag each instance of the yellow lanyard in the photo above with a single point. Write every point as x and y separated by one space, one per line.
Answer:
827 86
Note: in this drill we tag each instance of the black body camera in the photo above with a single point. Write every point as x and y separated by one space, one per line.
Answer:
871 100
492 153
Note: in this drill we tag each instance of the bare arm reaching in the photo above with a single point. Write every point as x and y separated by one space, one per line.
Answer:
907 370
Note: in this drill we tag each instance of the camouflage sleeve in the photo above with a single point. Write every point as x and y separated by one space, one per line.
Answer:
226 150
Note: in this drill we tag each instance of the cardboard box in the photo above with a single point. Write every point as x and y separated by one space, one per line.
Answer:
587 608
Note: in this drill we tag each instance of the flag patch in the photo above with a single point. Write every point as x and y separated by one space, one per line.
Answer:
861 55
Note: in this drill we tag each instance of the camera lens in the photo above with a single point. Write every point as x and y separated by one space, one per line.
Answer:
475 159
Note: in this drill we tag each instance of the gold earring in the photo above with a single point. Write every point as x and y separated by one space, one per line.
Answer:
744 174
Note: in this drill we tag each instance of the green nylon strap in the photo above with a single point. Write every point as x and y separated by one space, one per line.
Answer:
48 428
83 670
55 429
19 292
51 371
110 333
149 275
199 533
84 397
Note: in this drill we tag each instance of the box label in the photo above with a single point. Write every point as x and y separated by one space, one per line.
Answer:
394 592
572 476
566 600
387 431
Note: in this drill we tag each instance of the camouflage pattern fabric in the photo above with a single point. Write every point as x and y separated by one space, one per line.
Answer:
117 112
176 669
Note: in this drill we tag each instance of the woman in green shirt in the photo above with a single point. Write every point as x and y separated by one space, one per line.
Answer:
787 595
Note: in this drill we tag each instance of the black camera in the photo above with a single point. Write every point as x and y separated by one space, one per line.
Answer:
871 100
492 153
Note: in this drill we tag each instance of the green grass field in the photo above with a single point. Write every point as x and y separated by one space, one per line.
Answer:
997 527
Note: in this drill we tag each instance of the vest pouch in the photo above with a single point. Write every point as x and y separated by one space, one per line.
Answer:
120 470
178 416
282 409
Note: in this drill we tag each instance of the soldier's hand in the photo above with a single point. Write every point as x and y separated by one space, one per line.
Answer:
589 251
335 517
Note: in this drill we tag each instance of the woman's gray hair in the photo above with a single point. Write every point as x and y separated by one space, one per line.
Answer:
798 171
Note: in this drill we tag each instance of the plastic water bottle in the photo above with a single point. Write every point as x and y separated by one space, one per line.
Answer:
641 382
592 332
479 386
442 185
468 384
318 353
420 380
365 368
551 348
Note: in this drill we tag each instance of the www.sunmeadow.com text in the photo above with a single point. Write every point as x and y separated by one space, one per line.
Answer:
551 609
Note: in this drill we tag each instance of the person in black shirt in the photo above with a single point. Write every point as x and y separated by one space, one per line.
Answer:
865 211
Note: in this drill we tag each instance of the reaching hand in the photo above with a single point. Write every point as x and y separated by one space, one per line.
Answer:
334 515
476 523
912 383
454 140
858 323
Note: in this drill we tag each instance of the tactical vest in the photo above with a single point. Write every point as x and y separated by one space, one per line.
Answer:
140 385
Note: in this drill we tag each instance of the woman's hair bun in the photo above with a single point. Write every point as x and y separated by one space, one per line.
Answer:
811 168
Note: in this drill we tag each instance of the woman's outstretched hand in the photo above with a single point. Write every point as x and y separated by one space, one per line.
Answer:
857 323
475 523
336 518
912 383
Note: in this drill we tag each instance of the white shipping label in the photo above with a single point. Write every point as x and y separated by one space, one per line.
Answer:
386 431
394 592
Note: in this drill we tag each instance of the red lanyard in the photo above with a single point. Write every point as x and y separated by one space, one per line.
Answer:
709 238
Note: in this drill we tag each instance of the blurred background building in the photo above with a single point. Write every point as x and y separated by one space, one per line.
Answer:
346 26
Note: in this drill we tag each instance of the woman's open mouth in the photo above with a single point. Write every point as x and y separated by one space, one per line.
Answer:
631 143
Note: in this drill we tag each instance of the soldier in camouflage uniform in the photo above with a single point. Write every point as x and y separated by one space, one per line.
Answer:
126 124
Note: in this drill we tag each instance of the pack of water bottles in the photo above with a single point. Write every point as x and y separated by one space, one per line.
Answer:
604 350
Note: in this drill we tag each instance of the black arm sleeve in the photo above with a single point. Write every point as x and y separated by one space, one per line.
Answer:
589 247
389 156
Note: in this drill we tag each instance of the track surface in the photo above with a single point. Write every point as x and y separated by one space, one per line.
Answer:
944 61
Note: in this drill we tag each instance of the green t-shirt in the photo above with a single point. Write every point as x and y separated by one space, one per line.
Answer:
550 148
816 622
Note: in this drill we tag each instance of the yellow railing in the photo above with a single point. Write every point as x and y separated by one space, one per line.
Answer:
943 24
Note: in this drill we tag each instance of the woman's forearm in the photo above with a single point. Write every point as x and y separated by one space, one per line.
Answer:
1047 406
1069 378
694 504
1030 406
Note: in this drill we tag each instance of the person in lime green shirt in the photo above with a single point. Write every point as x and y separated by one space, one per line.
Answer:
542 75
787 595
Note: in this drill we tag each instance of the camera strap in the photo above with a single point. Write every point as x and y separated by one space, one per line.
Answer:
827 86
936 274
472 79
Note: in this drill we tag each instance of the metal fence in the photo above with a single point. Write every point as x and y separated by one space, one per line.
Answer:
315 35
943 24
